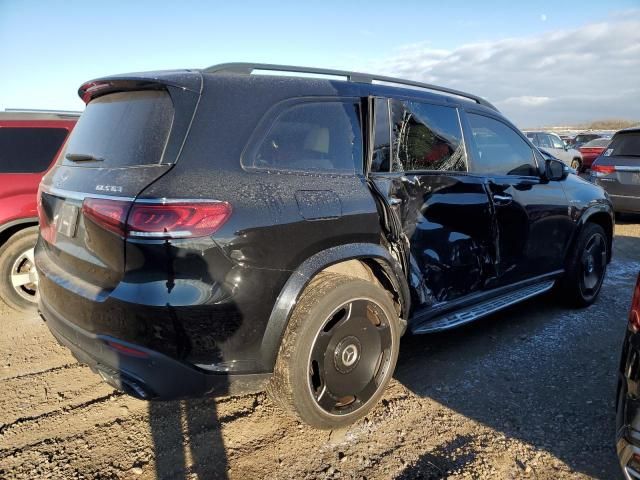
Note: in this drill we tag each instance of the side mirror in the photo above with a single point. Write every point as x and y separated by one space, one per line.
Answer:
555 170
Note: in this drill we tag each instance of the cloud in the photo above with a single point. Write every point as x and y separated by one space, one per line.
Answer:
569 76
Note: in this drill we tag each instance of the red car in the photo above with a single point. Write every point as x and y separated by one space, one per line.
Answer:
29 144
592 149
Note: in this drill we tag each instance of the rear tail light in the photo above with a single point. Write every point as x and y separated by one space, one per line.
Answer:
602 170
634 314
109 214
47 231
160 221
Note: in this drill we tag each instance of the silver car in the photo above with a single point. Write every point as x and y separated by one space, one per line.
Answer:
553 144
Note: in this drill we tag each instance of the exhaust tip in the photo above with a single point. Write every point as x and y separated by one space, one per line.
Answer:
125 384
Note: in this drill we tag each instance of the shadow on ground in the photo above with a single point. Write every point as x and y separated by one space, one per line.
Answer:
538 372
187 440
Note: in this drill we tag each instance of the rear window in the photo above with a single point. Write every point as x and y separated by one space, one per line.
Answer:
29 150
585 138
598 142
122 129
625 144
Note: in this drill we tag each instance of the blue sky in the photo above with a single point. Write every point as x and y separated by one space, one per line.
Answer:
48 48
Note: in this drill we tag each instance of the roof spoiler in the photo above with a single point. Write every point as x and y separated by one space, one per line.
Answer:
188 80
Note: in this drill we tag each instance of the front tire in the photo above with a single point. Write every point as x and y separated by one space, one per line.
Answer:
18 277
576 164
586 267
338 353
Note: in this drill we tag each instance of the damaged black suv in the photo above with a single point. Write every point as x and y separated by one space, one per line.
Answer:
207 232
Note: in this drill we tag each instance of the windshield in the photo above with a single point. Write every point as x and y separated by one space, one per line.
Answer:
121 130
625 144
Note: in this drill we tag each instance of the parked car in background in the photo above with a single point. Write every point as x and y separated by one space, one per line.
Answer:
287 236
553 144
617 170
583 138
628 393
591 150
29 144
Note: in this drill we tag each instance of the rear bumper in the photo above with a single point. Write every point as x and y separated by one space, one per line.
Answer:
142 372
625 204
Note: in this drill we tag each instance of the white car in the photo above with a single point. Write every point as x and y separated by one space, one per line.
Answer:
553 144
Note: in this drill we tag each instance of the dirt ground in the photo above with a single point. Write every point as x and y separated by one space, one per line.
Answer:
527 393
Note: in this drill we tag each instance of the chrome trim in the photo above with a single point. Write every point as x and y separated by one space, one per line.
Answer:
58 192
626 168
624 196
165 200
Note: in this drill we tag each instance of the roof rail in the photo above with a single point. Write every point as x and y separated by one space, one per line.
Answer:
71 113
248 68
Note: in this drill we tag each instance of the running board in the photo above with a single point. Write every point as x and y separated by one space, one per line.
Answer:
482 309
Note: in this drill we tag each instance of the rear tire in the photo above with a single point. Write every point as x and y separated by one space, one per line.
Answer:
18 278
338 353
586 267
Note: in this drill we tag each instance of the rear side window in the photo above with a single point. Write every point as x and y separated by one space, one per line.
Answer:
500 150
426 137
123 129
627 144
312 136
29 150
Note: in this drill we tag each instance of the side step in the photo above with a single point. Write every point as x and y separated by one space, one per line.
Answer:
482 309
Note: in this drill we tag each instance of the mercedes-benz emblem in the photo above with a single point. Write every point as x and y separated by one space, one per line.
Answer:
349 355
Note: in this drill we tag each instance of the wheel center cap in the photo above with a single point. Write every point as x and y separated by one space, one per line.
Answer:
347 354
590 265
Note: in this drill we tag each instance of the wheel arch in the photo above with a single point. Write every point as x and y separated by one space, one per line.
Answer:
600 215
7 230
386 270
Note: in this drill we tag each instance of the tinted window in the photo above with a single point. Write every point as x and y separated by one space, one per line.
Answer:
625 144
124 129
500 149
426 137
585 138
381 159
598 142
313 136
29 150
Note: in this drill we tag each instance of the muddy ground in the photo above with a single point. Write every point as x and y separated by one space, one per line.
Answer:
527 393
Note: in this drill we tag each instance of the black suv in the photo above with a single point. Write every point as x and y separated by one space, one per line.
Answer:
215 231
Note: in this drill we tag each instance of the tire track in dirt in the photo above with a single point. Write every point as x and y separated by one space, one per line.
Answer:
45 392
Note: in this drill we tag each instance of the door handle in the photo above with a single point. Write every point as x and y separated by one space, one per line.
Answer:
502 199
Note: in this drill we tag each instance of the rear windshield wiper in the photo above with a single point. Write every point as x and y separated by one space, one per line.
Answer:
83 157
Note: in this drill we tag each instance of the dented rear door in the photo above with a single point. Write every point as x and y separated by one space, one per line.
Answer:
419 163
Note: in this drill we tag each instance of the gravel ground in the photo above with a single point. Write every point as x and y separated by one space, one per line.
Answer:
527 393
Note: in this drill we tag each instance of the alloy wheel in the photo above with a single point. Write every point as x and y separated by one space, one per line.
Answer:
24 277
350 357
